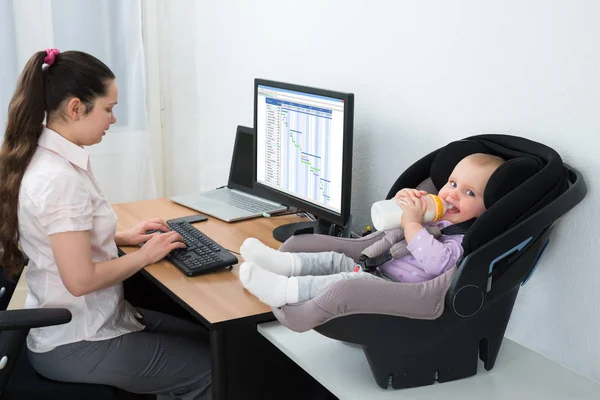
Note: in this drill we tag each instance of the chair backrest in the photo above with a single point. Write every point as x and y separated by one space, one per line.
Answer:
11 345
7 288
11 341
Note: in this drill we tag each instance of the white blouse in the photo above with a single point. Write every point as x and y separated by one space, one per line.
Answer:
60 194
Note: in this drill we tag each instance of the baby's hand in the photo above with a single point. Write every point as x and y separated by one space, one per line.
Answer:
413 209
406 192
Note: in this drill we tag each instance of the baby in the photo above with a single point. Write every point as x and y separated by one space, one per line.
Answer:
279 278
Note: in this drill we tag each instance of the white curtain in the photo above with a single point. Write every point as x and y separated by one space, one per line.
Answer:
170 42
112 31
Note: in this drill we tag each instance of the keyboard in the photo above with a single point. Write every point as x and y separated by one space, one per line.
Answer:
202 253
240 201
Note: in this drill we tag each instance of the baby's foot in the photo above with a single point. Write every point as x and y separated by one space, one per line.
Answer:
272 289
278 262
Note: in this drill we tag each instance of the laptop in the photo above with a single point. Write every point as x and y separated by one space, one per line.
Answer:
238 200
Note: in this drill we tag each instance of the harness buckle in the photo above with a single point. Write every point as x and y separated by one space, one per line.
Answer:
367 264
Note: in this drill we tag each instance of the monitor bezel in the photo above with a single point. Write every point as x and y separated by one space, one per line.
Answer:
348 132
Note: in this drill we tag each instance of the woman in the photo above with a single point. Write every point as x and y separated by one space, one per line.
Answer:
54 209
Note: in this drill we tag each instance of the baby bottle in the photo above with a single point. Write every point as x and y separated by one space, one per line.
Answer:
387 214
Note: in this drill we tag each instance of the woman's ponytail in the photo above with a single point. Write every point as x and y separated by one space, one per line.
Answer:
26 114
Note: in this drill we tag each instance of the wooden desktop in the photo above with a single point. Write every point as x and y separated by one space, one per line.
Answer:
216 297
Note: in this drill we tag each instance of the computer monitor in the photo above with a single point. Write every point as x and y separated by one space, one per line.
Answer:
303 152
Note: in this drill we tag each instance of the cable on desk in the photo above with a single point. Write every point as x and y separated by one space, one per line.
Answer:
291 210
268 215
301 214
234 252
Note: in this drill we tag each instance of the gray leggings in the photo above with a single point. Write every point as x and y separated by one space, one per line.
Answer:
170 358
320 270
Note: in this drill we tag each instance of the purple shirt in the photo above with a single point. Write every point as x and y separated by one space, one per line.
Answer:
430 257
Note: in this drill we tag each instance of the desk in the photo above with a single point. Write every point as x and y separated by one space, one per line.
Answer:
519 373
218 299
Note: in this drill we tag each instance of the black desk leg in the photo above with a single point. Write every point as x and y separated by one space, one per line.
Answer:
219 372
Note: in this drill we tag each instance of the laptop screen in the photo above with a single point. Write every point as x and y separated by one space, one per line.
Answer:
241 174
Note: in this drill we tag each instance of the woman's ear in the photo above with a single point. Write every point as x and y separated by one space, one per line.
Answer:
75 109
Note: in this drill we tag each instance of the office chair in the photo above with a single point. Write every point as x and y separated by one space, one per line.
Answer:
18 379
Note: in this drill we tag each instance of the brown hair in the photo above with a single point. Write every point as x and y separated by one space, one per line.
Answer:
40 92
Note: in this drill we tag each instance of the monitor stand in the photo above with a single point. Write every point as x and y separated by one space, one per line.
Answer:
321 226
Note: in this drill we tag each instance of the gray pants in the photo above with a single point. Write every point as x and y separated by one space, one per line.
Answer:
320 270
170 358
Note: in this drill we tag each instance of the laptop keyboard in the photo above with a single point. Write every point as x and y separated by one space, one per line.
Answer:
202 253
240 201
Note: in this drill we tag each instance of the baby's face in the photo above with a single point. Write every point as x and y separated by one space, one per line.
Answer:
464 191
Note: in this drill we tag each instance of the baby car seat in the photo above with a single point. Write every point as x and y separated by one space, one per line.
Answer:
415 334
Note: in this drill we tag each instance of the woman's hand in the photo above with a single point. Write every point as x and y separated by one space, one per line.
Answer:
137 234
406 192
160 244
413 210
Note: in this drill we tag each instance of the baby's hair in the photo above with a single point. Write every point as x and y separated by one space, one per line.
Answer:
485 160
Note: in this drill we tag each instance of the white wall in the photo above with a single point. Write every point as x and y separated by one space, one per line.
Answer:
425 73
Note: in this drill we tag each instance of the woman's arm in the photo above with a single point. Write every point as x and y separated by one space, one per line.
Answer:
121 238
73 255
80 275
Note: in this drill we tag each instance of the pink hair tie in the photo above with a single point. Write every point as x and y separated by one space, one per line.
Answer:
51 56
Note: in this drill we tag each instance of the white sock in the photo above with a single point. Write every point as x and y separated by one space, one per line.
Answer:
278 262
272 289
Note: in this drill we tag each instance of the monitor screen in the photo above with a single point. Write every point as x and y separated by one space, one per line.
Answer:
304 146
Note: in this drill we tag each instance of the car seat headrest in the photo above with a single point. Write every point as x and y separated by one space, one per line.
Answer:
506 178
